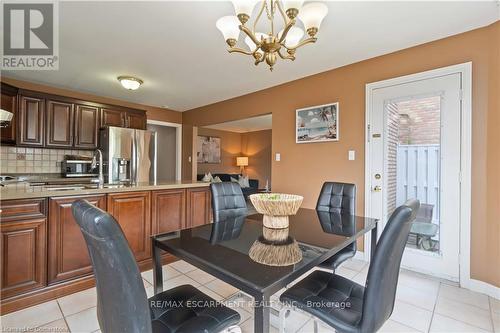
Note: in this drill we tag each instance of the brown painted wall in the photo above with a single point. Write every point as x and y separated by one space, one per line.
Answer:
152 112
258 147
230 149
303 168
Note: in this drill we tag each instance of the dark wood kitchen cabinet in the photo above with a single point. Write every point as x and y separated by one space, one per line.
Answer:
86 126
112 117
23 265
168 210
9 103
31 120
132 210
198 206
135 120
68 256
59 129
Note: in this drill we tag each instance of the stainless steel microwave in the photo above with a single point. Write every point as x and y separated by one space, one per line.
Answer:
78 168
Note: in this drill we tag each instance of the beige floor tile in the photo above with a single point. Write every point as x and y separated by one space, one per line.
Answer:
346 272
182 266
466 313
445 324
31 317
78 301
496 321
293 322
247 327
416 297
360 278
221 288
55 326
411 316
211 293
391 326
83 322
309 327
168 273
178 281
464 296
419 282
354 264
495 305
200 276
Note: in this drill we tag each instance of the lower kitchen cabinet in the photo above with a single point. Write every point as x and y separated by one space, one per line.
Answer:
23 265
133 212
68 256
198 206
168 211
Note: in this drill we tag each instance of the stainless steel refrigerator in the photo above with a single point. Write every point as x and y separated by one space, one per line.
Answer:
129 155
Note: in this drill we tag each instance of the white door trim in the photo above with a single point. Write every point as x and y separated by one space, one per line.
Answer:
178 141
465 70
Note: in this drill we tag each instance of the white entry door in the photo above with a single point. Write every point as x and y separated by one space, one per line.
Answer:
414 145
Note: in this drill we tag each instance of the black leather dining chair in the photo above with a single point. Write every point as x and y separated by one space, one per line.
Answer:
227 200
347 306
338 198
227 229
122 304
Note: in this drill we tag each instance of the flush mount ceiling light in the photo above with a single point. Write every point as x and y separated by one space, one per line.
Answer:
130 82
268 46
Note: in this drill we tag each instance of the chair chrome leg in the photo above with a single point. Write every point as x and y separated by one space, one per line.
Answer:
232 329
316 325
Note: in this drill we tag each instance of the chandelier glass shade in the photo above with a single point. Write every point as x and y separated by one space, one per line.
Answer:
271 45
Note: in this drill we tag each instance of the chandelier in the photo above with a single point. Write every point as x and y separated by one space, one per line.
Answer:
271 45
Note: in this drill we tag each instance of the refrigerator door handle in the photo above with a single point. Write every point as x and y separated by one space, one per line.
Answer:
133 170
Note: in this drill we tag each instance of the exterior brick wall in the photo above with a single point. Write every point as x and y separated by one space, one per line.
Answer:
420 121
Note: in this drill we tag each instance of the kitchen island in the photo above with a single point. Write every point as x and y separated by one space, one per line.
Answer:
44 255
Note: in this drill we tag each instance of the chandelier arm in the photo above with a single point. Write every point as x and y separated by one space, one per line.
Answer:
288 26
259 15
239 50
288 57
251 35
258 61
302 43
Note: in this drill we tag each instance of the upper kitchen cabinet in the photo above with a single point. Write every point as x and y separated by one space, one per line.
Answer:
31 119
123 118
86 126
9 103
136 120
111 117
59 132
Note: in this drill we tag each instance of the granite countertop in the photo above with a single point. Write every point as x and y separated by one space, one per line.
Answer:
24 190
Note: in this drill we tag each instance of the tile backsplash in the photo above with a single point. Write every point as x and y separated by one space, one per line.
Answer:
23 160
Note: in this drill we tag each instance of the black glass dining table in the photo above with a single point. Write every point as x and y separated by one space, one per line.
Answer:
226 249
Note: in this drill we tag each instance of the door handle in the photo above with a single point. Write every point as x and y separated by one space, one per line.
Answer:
377 189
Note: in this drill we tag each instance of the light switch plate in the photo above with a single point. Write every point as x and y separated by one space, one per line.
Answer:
278 157
352 155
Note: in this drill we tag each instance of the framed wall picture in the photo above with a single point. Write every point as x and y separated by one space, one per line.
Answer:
317 123
208 149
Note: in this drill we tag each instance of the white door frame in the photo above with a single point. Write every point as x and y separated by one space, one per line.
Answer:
465 70
178 143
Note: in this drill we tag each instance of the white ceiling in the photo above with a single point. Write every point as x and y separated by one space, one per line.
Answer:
176 49
259 123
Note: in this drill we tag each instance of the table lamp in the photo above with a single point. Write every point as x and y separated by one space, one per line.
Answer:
242 162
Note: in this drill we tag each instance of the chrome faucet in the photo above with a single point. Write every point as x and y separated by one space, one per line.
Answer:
93 165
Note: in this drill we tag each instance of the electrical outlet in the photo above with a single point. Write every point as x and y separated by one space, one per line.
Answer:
278 157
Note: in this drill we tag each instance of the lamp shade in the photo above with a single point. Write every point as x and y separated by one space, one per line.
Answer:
242 161
292 4
293 36
229 26
312 14
244 6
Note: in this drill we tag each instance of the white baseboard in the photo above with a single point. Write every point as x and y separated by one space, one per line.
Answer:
482 287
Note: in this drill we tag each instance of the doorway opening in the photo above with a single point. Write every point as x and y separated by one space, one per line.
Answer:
169 148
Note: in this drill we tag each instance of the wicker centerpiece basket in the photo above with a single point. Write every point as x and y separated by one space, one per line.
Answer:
276 207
